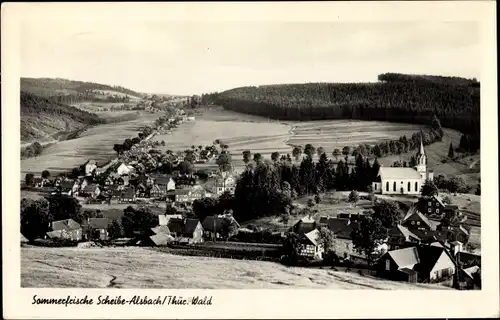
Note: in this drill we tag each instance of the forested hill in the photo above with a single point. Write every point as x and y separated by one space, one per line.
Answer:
70 91
396 97
43 118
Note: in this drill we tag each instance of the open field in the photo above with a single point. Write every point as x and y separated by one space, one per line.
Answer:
124 268
95 143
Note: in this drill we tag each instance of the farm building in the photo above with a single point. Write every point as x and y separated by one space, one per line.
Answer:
311 248
90 191
67 229
216 227
402 180
304 225
97 229
417 264
186 230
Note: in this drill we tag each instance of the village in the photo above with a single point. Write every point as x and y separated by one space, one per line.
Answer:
415 248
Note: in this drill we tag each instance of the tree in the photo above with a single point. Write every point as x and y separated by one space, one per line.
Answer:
457 184
285 218
388 213
353 197
326 239
29 179
296 152
346 150
171 210
205 207
186 167
451 218
317 199
247 155
115 230
224 162
63 207
451 151
292 245
377 151
320 151
45 174
429 189
138 220
35 218
309 150
229 228
413 162
275 156
336 153
368 235
257 157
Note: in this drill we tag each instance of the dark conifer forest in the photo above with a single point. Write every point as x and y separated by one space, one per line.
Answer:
395 98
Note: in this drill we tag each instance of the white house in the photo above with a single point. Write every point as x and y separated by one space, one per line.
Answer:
402 180
90 167
225 182
311 248
123 169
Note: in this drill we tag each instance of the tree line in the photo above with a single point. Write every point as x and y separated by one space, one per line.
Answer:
456 103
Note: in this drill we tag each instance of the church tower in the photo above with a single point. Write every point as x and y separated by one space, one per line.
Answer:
421 161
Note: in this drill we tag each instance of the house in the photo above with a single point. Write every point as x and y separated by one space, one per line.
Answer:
224 182
468 278
304 225
97 229
184 181
68 187
91 191
216 227
123 180
128 195
400 237
121 169
161 186
186 195
311 247
431 205
403 180
414 219
186 230
417 264
67 229
90 167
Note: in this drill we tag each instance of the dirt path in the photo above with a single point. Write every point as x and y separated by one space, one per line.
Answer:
112 283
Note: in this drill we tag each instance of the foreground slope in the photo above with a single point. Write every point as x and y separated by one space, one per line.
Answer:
144 268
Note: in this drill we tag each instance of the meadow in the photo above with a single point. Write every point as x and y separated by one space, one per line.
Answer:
124 268
95 143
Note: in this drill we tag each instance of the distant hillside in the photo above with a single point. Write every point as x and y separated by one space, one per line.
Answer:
70 91
396 98
43 119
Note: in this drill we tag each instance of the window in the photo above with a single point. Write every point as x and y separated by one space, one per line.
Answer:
387 186
413 222
388 265
437 210
416 186
394 186
429 210
375 186
429 203
409 186
418 223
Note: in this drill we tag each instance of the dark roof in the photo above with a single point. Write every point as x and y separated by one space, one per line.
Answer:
190 225
182 191
342 228
68 224
162 180
429 255
90 188
67 185
414 212
208 224
176 225
98 223
400 230
129 193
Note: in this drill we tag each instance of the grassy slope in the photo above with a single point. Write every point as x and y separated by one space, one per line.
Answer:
94 268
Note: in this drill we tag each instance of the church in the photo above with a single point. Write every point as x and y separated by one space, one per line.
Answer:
402 180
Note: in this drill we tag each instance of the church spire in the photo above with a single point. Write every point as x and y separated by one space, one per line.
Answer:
422 152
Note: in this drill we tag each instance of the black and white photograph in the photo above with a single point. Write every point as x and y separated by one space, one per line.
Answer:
250 154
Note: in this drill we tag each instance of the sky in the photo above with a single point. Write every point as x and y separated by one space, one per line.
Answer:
179 57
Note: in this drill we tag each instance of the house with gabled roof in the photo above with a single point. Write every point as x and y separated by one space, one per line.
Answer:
213 226
186 230
68 187
414 219
97 229
400 237
421 263
304 225
67 229
311 247
90 191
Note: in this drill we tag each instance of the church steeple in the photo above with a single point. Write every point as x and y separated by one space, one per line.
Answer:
421 158
422 152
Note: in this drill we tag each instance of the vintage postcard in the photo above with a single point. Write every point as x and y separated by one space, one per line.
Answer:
249 160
